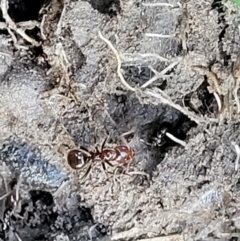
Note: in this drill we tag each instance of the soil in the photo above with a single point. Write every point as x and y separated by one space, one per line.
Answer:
67 93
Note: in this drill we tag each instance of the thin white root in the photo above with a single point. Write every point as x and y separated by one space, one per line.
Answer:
164 238
219 103
118 61
44 37
235 90
5 195
10 24
156 35
165 99
138 173
154 92
17 236
175 139
91 230
158 5
237 149
60 189
134 57
161 74
18 188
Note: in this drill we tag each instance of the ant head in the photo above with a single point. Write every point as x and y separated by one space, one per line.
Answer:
77 158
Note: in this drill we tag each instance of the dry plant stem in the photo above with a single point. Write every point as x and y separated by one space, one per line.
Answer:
138 173
5 195
59 25
118 60
91 230
175 139
60 189
166 100
10 24
163 97
165 238
44 37
158 5
17 236
131 234
161 74
235 90
134 57
156 35
17 196
211 77
17 188
237 149
219 103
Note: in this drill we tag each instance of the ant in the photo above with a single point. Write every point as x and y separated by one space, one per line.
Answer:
77 158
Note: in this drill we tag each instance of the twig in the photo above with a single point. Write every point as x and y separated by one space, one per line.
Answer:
118 60
137 173
166 100
237 149
165 238
160 75
158 5
10 24
219 103
59 25
156 93
211 76
91 230
5 195
236 87
159 35
147 55
175 139
42 27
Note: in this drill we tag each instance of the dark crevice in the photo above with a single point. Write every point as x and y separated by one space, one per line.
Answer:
151 123
218 5
206 100
139 75
110 7
154 133
39 218
24 10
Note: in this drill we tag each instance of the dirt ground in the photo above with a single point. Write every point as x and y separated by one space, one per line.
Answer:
141 73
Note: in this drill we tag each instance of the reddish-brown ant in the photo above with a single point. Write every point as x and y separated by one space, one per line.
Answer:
77 158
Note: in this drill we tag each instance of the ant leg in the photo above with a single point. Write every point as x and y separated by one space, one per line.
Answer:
108 162
104 168
123 138
103 144
88 170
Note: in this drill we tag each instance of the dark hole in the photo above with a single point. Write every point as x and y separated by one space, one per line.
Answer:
24 10
34 33
201 184
154 134
219 6
238 184
202 170
110 7
45 197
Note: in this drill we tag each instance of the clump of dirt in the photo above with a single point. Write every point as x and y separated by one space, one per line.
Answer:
39 217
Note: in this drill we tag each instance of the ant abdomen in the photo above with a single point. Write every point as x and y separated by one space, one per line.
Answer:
77 158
